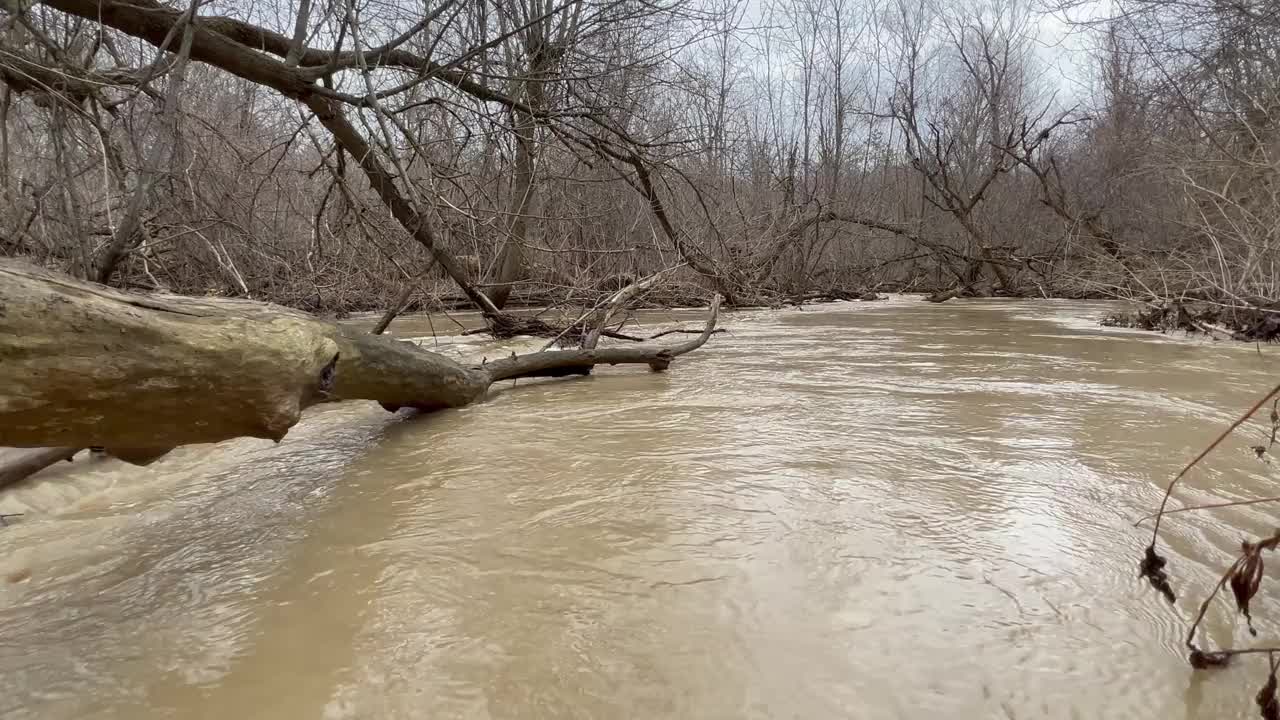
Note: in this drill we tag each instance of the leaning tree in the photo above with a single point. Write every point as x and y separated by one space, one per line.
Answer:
411 97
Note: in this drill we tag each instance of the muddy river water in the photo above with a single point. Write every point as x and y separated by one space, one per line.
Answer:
882 510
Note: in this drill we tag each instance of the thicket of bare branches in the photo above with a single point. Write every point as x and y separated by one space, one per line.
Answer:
347 155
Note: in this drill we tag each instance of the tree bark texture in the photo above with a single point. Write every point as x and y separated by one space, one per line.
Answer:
83 365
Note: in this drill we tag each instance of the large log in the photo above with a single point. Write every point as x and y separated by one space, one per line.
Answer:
83 365
18 464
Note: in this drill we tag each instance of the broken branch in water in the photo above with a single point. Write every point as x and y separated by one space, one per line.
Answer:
605 309
664 333
579 362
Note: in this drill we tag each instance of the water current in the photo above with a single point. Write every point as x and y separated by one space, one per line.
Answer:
880 510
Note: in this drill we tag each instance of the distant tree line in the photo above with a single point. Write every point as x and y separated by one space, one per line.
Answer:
339 155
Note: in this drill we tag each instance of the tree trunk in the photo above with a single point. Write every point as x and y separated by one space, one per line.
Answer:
396 307
157 156
18 464
984 249
331 115
511 258
83 365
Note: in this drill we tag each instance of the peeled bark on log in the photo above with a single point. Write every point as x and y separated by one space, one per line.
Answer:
83 365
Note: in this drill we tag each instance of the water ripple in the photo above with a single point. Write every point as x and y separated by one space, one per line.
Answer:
885 510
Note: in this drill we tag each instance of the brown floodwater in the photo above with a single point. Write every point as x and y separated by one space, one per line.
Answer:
888 510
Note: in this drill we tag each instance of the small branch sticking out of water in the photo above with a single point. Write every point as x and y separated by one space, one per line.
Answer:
1260 450
1209 506
1155 534
1153 564
1244 575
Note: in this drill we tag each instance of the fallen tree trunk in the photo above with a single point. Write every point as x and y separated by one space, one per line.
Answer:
83 365
16 464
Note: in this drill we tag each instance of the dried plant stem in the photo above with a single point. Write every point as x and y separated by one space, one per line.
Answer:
1155 533
1204 606
1210 506
1270 544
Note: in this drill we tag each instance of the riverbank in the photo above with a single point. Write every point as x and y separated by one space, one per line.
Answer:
1242 324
